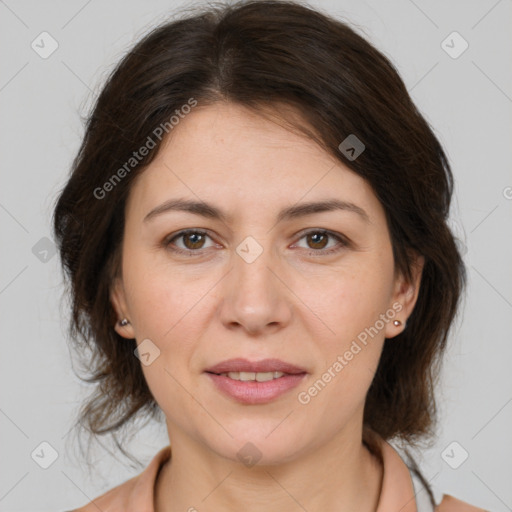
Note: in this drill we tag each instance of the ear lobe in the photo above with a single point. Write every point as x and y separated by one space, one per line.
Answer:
118 300
406 294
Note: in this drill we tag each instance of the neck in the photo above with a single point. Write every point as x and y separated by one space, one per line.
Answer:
339 475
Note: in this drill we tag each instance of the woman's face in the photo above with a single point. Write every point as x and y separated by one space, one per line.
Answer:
257 285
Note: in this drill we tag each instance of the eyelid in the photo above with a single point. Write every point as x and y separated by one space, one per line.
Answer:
173 236
343 241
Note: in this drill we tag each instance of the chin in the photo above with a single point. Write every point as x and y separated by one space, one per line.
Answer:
259 443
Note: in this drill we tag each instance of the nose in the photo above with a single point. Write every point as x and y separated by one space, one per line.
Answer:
255 295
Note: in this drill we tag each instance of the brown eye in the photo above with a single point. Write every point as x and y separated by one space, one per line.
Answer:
319 239
193 241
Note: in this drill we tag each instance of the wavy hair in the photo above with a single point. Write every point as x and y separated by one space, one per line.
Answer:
279 57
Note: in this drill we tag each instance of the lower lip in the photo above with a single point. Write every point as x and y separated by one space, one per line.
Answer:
253 392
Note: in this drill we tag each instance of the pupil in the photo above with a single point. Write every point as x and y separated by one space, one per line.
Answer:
316 236
193 236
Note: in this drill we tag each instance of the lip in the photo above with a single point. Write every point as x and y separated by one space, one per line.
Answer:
265 365
253 392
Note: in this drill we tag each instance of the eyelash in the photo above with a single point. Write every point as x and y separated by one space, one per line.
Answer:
343 242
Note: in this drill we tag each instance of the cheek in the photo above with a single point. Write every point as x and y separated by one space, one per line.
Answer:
158 296
353 300
168 307
163 309
353 304
349 358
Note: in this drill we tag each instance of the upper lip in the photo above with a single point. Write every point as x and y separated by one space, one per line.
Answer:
265 365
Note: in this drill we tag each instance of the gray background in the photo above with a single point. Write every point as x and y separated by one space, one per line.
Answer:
468 101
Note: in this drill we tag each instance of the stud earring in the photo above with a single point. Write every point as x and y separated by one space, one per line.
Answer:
397 323
124 322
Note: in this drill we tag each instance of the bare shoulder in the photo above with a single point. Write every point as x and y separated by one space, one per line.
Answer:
451 504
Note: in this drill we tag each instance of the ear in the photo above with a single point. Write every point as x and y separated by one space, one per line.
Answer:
118 300
405 295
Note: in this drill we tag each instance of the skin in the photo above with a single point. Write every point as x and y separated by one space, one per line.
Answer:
303 308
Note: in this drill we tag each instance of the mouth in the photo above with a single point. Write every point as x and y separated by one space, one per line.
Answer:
255 382
252 376
240 365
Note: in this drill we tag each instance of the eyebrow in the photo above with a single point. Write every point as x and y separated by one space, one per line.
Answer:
291 212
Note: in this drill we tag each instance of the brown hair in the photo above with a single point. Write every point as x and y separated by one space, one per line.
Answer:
264 55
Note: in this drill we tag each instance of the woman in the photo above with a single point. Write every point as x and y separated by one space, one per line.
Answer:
256 241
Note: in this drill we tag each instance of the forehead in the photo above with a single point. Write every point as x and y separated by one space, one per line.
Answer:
225 153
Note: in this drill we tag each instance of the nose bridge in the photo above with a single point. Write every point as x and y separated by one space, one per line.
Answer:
254 296
252 262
